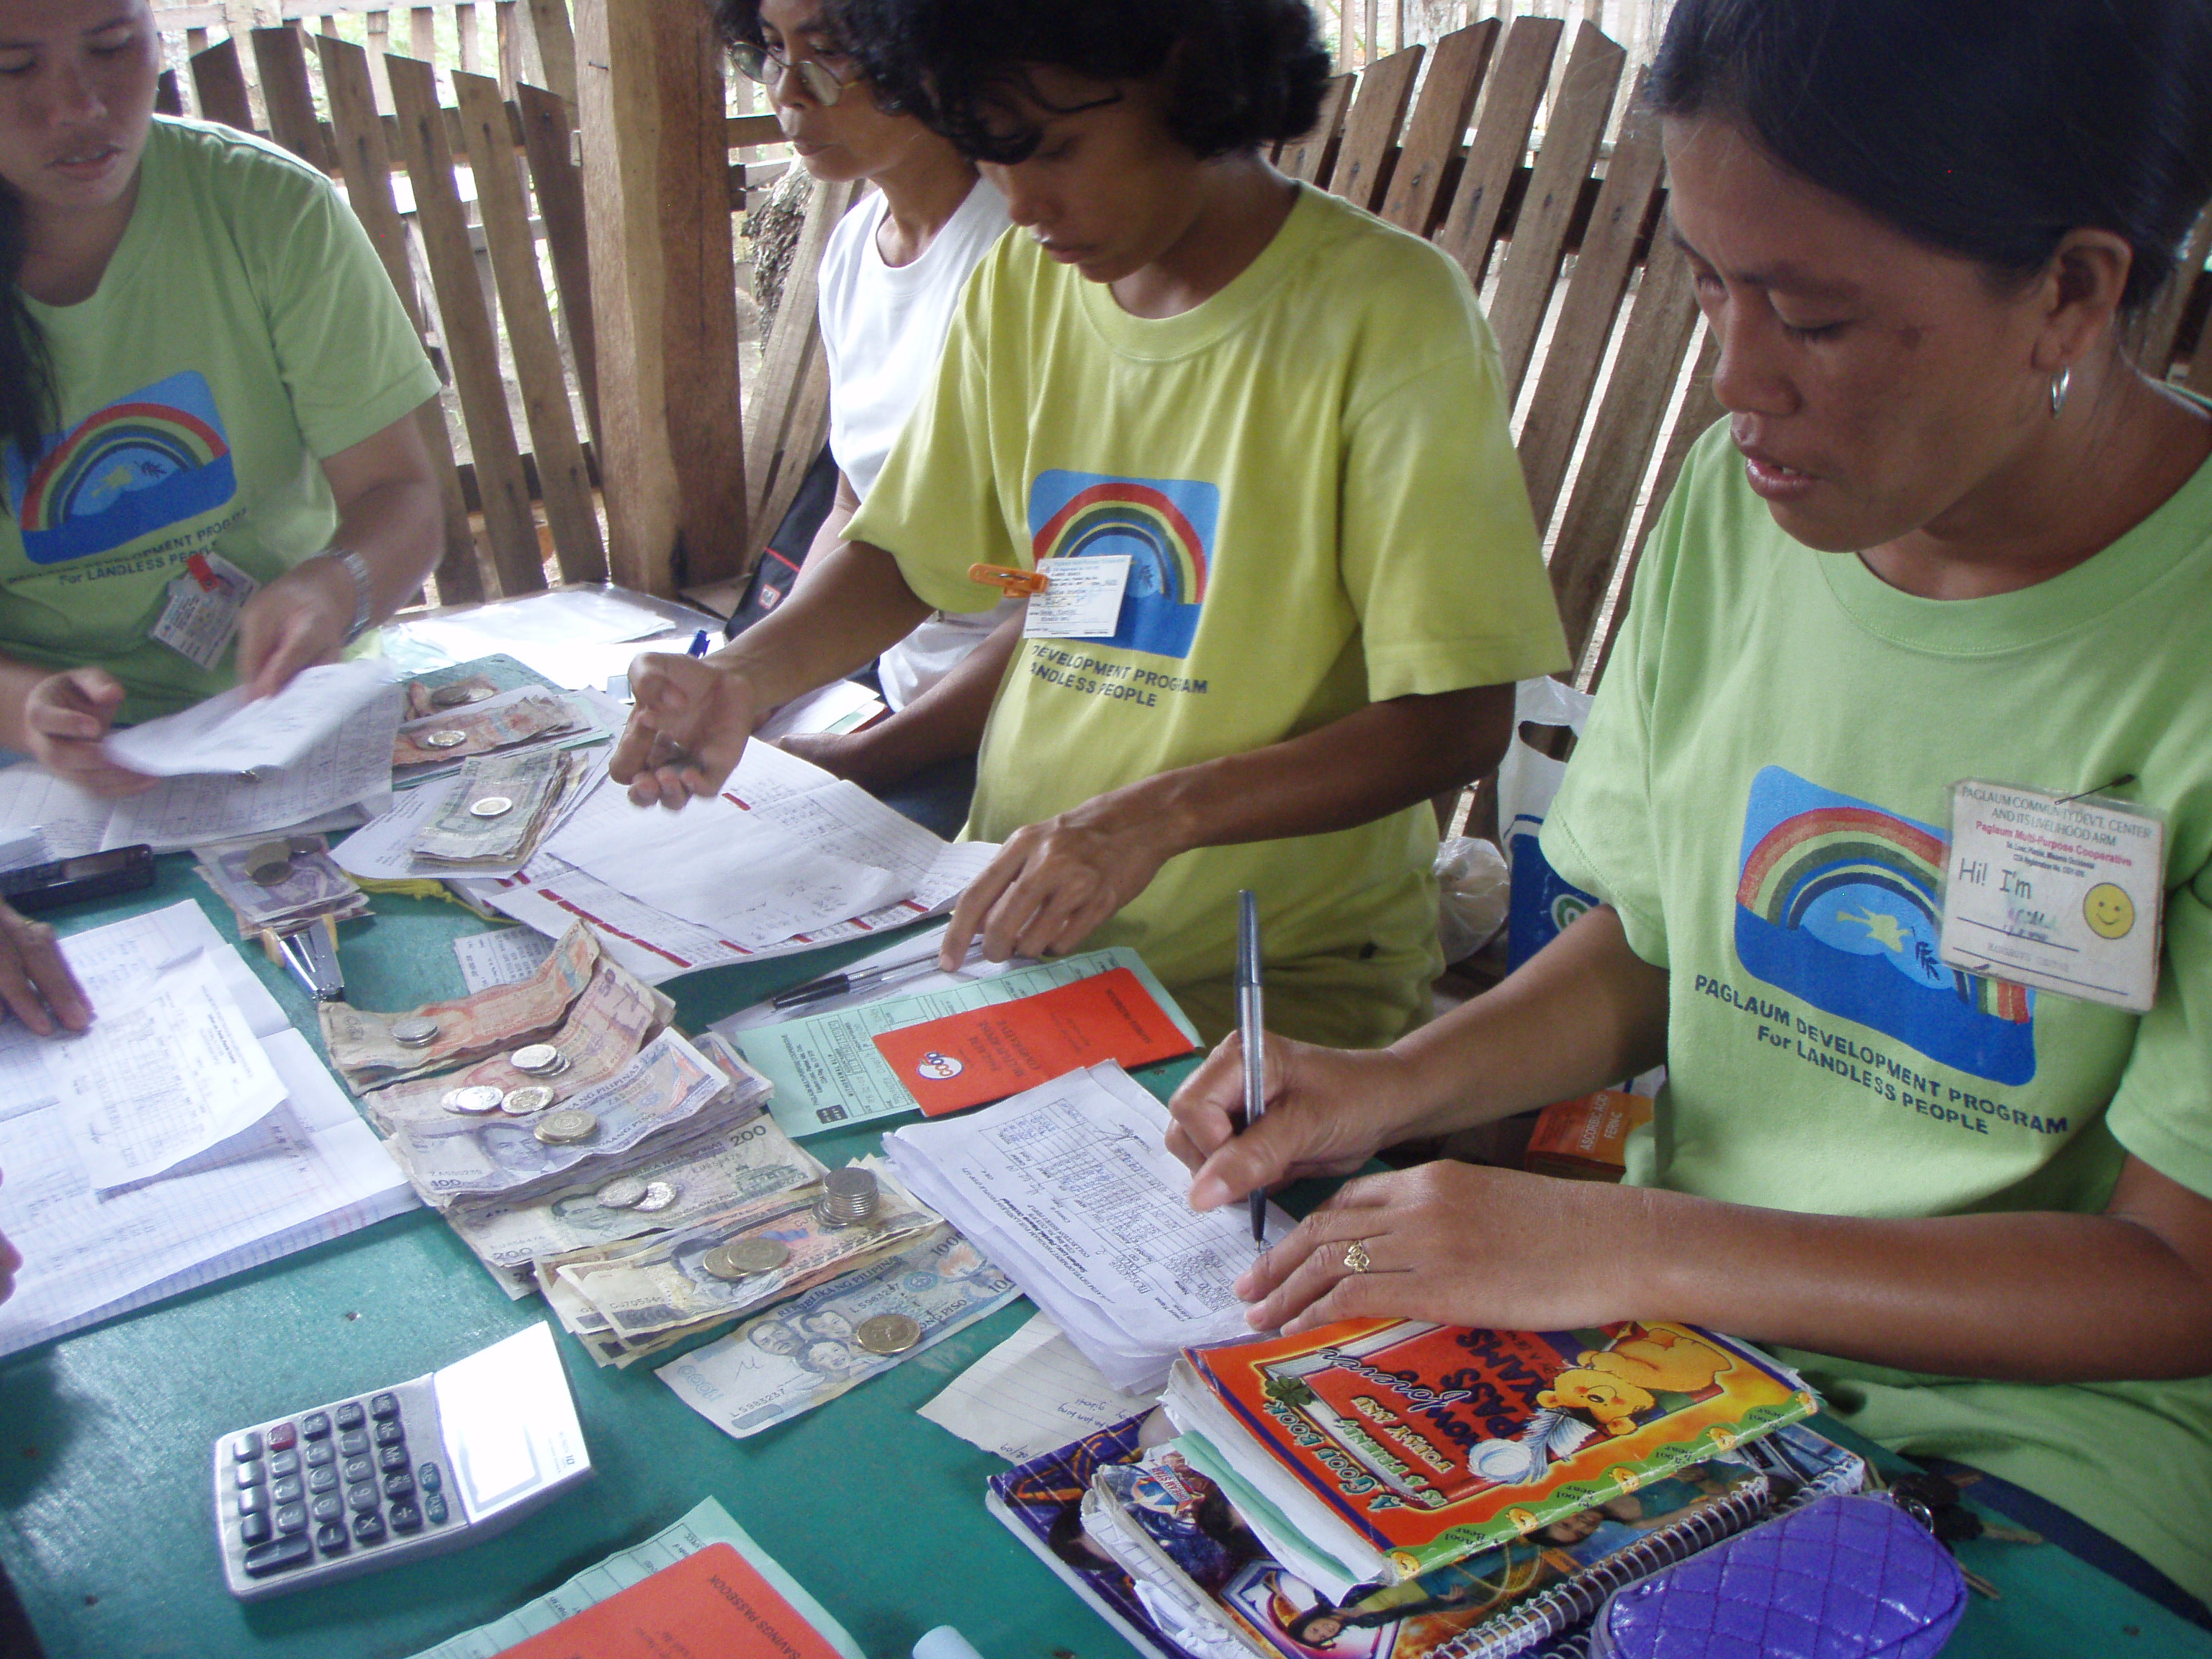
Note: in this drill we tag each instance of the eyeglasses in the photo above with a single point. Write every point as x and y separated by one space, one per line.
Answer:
823 84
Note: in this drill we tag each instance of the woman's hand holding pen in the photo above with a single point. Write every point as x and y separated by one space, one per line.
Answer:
687 731
1328 1109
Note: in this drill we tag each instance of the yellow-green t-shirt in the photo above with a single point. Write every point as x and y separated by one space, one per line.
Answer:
243 332
1763 793
1312 475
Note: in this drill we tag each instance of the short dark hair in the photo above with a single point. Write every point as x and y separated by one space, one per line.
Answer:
1243 73
27 374
1986 128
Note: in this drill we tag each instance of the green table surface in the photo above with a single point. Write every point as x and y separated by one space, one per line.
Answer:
104 1437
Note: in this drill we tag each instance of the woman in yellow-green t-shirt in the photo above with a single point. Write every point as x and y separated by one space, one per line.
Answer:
207 387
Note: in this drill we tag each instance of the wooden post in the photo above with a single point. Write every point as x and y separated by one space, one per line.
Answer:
557 47
508 28
657 207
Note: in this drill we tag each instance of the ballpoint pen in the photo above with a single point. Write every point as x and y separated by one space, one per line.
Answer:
861 979
1249 1026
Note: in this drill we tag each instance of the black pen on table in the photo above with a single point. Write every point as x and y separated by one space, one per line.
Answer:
1250 1026
861 979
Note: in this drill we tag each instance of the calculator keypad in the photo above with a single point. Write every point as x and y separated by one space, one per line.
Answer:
331 1492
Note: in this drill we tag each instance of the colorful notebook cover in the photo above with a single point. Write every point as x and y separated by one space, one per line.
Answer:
988 1054
711 1605
1434 1441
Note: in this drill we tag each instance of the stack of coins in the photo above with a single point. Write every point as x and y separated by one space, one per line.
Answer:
567 1128
741 1258
474 1099
415 1032
454 697
848 1197
531 1098
270 864
539 1059
447 739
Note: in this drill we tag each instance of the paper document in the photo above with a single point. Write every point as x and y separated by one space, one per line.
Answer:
308 1171
506 956
1071 1188
828 1073
171 1072
840 706
70 822
1031 1395
229 734
708 1523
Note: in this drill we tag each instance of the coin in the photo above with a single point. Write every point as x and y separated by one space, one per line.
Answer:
454 697
491 806
888 1334
447 739
623 1193
415 1031
474 1099
848 1197
658 1195
567 1128
270 863
521 1102
538 1059
756 1255
717 1263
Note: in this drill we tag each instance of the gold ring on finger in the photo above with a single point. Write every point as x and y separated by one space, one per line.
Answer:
1356 1257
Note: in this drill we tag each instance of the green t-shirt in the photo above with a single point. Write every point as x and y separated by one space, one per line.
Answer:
244 332
1763 793
1312 475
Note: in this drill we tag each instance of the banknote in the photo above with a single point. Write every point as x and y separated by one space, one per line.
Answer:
481 731
361 1044
617 1015
498 809
667 1281
460 694
746 1161
478 1159
787 1362
310 884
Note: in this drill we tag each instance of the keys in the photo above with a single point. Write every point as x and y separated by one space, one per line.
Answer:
353 1442
390 1434
358 1469
277 1557
246 1447
320 1453
368 1528
284 1438
391 1458
292 1518
287 1490
254 1500
401 1484
332 1538
250 1474
434 1509
350 1415
283 1463
361 1498
429 1475
406 1517
253 1529
327 1508
315 1426
322 1480
384 1407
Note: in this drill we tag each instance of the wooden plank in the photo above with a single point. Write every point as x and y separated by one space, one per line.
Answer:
288 97
423 33
556 46
378 32
464 32
219 82
1378 111
168 100
1456 66
1602 266
1306 158
1574 128
559 184
1699 410
563 482
1501 142
747 131
466 328
366 165
664 292
773 447
2155 335
1661 325
508 25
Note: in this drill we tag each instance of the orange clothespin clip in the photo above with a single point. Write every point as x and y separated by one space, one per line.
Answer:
202 573
1015 583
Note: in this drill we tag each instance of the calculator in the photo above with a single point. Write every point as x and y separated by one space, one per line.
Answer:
412 1470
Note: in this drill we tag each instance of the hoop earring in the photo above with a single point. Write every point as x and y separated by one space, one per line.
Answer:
2060 384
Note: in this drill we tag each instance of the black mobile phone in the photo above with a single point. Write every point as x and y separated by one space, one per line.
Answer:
72 881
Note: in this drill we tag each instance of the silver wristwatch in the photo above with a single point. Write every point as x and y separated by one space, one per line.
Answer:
358 568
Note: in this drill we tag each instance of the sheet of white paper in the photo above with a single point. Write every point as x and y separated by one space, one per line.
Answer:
22 846
840 706
311 1171
506 956
71 820
227 734
172 1071
1032 1394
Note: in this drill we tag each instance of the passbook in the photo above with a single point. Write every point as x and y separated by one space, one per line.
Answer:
988 1053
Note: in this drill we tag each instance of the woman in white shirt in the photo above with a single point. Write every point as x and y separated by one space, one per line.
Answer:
891 276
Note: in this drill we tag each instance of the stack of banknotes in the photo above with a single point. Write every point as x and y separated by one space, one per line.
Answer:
503 723
501 806
279 882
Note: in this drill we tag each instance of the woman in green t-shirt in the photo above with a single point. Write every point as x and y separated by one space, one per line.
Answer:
206 382
1950 532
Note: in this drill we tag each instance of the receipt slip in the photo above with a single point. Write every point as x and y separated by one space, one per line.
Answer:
965 1060
2061 893
713 1602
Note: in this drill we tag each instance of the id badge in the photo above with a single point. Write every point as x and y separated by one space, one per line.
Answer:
1082 599
2065 894
202 613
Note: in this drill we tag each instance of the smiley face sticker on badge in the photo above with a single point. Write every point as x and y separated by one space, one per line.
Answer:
2108 910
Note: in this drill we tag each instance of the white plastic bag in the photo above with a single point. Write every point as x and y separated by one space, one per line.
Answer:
1527 780
1474 891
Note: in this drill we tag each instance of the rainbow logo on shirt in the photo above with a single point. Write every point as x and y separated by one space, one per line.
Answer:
153 459
1838 903
1166 525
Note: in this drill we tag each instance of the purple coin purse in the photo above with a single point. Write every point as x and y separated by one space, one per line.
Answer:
1848 1578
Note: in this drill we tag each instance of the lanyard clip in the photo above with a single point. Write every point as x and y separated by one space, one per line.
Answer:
1015 583
204 573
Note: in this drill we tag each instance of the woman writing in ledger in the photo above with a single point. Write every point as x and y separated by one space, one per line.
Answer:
206 380
1949 532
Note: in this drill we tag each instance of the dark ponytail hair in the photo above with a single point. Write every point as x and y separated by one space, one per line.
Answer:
27 384
1986 128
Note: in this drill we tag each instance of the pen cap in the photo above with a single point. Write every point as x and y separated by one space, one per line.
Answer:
945 1642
